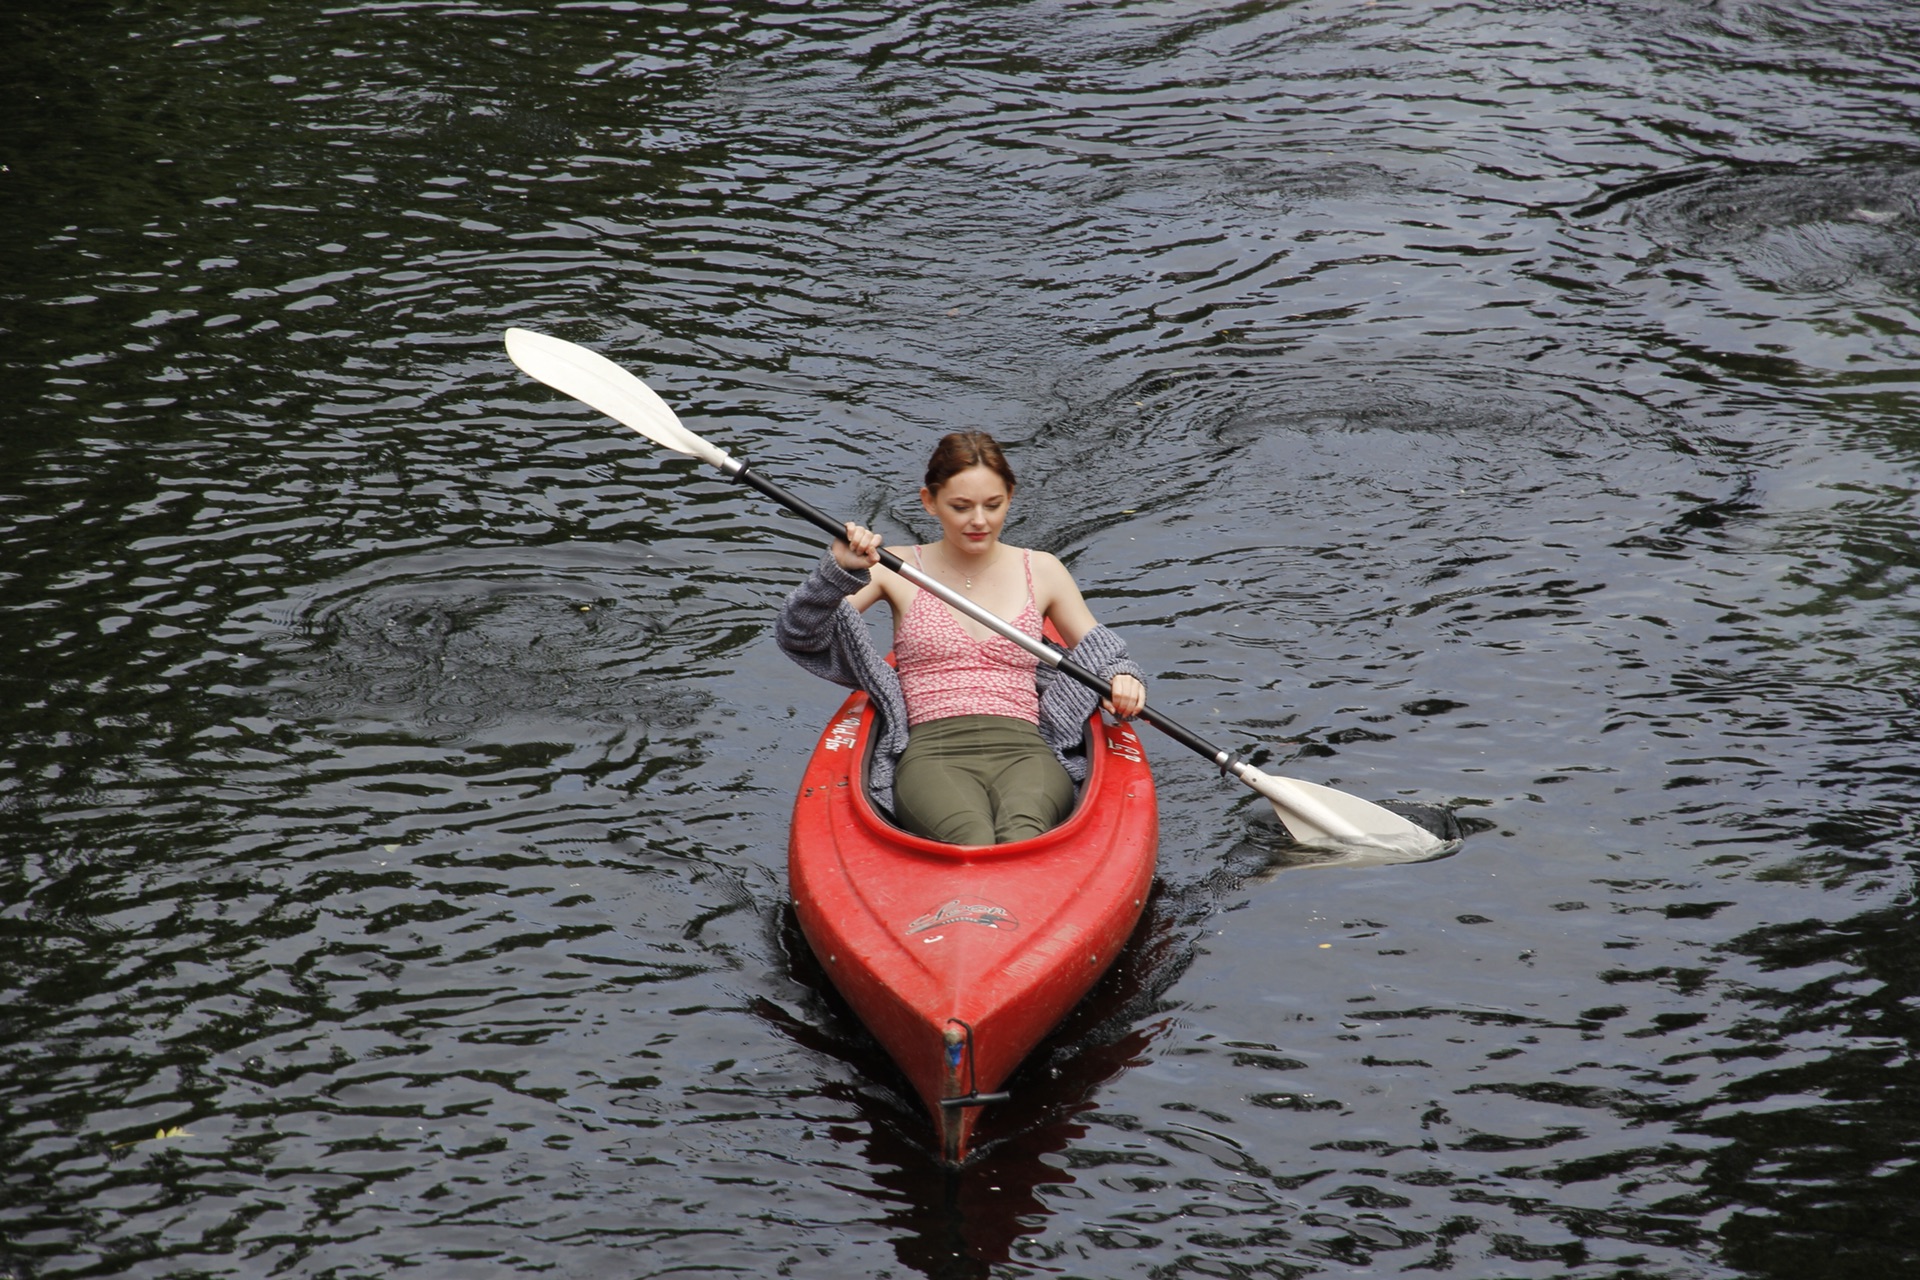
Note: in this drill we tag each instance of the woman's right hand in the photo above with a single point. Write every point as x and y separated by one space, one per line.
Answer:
859 550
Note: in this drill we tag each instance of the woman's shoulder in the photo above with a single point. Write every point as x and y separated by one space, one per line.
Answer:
1052 580
891 585
1045 562
910 554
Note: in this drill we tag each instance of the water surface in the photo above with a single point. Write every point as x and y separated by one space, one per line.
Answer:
1510 406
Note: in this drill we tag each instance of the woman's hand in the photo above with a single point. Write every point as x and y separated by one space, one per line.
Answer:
859 550
1129 697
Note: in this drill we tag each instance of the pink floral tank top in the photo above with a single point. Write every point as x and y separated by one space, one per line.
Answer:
946 672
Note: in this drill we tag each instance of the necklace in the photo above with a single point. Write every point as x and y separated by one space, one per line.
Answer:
965 573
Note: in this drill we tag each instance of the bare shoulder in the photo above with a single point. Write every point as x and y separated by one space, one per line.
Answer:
893 587
894 580
1060 599
1048 569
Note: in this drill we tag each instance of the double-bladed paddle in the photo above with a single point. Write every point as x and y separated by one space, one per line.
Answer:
1312 814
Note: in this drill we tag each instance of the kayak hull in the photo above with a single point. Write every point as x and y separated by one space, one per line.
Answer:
961 959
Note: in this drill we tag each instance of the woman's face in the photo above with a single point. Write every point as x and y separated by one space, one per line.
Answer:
971 506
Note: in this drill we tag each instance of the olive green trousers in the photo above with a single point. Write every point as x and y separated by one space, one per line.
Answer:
980 780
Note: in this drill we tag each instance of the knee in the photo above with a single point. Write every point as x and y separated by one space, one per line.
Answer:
964 828
1021 826
949 825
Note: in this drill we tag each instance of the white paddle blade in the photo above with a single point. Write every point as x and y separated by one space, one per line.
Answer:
592 379
1321 816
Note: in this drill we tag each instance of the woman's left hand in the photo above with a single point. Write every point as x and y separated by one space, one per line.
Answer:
1129 697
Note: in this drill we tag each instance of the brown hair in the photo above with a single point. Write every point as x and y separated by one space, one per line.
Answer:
963 449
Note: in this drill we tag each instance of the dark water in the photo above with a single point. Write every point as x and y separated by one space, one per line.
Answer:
1511 405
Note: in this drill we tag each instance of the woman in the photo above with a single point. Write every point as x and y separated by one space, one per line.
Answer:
977 742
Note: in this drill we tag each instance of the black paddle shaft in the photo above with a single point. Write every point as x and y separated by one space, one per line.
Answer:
838 528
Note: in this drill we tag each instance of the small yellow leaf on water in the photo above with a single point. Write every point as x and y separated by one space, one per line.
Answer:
391 848
175 1132
1325 946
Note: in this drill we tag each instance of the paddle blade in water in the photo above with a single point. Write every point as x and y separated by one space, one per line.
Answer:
1325 818
592 379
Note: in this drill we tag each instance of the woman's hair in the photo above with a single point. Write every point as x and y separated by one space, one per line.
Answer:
963 449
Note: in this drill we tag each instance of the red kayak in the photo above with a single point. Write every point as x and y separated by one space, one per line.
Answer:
961 958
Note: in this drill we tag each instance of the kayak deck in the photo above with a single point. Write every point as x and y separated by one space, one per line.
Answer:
960 959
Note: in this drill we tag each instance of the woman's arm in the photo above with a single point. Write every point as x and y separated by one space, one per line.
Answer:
1061 603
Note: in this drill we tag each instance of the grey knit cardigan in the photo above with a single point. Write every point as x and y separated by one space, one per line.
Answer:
822 631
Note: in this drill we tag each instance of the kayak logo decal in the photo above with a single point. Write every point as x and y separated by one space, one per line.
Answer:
844 735
958 912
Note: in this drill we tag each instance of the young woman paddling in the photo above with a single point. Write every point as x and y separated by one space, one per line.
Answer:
977 743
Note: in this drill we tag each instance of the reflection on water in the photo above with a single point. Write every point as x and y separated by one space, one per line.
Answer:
1507 408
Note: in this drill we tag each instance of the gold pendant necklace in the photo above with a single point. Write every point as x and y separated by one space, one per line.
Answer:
966 574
